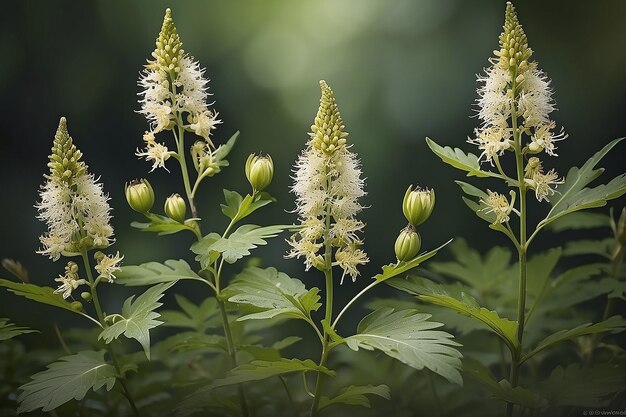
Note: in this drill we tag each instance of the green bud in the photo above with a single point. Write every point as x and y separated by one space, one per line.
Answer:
76 306
85 296
259 171
175 208
140 195
418 204
407 244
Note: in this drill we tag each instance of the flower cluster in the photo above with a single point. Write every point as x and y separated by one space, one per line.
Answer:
174 93
69 281
106 266
513 86
535 178
498 205
327 185
73 204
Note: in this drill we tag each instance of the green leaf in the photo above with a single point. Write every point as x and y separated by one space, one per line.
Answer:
602 248
220 154
195 341
392 270
259 370
580 221
459 159
584 387
407 335
460 302
137 318
244 239
155 273
356 395
502 390
238 207
197 317
484 273
69 378
203 248
573 194
43 295
10 330
271 353
270 293
613 324
163 225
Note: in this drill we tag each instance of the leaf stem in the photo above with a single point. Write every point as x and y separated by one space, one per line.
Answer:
352 301
96 303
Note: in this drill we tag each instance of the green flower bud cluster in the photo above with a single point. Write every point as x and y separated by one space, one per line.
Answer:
514 51
259 171
140 195
65 164
168 52
417 207
175 208
327 133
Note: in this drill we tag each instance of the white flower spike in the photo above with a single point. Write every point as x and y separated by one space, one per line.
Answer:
328 185
73 204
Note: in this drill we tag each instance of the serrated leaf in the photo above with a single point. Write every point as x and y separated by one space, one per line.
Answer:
163 225
583 387
185 341
203 248
270 293
356 395
580 221
573 195
238 207
259 370
243 240
270 353
589 247
44 295
485 272
69 378
197 317
408 336
152 273
137 318
613 325
10 330
502 390
392 270
460 302
459 159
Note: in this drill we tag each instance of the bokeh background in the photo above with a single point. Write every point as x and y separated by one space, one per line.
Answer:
401 70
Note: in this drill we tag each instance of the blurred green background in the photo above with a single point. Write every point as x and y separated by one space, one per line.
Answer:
401 70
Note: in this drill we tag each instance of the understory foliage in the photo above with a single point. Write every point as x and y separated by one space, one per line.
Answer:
511 331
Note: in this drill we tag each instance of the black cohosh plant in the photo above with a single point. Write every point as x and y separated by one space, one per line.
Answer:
222 356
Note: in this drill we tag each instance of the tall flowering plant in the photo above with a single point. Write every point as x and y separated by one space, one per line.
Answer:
231 353
515 101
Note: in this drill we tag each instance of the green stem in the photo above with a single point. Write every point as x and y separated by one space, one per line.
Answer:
319 385
356 297
100 314
180 145
616 267
522 250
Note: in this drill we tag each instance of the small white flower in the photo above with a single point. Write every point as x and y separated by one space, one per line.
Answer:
543 139
69 281
107 266
157 153
497 204
349 258
203 123
542 183
493 141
